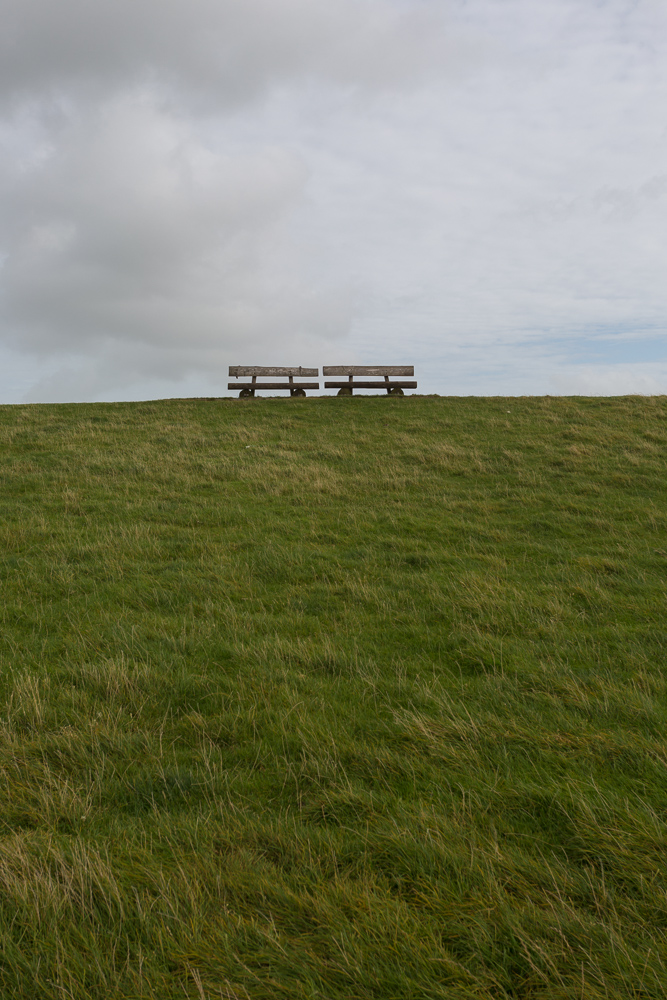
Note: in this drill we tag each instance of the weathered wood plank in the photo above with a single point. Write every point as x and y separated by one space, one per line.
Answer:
273 385
366 370
370 385
239 371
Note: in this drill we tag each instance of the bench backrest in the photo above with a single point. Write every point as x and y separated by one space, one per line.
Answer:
368 370
240 372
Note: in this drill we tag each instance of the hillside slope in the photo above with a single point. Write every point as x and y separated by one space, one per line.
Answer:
334 698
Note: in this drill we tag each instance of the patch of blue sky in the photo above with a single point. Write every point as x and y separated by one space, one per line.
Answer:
619 349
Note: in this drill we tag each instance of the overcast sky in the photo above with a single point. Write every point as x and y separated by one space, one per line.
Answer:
478 187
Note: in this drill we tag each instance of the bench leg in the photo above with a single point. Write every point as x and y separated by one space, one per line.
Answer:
246 392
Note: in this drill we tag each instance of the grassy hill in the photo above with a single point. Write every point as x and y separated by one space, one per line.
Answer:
334 698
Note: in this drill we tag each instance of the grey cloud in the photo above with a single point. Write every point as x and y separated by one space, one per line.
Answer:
137 235
187 185
132 229
224 51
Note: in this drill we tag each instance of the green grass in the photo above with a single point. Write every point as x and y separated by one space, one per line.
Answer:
334 698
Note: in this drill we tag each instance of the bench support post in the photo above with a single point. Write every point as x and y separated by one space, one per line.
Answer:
249 391
347 390
295 390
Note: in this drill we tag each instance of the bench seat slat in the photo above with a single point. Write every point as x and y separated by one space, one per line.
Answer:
370 385
273 385
243 372
366 370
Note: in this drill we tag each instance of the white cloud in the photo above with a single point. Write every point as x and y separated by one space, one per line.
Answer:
620 380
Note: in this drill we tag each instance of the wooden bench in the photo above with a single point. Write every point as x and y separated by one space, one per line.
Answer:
393 387
248 389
